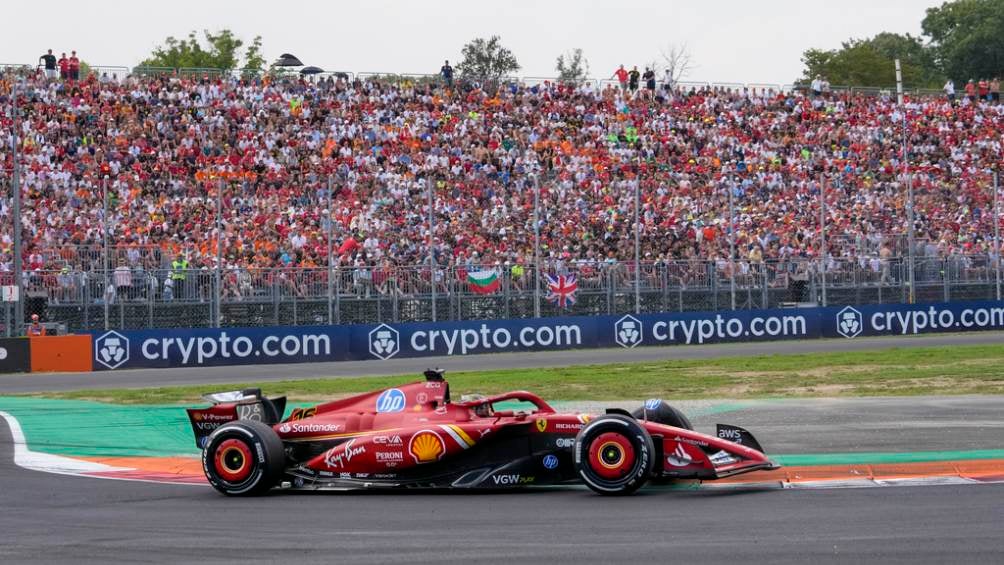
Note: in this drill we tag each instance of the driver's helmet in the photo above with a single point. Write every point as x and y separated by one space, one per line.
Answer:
481 410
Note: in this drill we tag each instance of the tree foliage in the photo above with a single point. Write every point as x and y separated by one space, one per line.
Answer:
487 61
871 62
967 38
219 50
572 66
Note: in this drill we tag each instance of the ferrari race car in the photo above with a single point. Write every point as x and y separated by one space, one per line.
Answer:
413 436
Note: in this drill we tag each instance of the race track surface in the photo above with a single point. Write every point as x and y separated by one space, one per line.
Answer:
55 518
59 519
138 378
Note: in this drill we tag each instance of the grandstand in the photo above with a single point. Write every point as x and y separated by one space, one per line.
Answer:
198 198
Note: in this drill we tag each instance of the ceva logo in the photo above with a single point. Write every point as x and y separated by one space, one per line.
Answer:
628 331
111 349
384 342
850 322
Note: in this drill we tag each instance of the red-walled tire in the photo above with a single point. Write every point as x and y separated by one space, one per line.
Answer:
243 458
614 455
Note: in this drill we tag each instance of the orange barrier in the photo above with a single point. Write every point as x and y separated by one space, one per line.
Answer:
61 354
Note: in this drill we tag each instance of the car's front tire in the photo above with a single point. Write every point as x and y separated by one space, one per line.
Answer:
243 458
614 455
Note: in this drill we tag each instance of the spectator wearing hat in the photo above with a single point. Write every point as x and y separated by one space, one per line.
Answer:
35 329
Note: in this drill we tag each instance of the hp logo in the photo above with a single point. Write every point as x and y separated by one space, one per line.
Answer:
390 400
550 461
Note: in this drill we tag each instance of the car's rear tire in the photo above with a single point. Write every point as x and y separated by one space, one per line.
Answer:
614 455
659 411
243 458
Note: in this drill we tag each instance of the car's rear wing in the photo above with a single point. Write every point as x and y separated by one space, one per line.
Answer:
247 404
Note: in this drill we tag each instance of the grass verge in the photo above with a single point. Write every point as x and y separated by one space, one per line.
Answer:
975 369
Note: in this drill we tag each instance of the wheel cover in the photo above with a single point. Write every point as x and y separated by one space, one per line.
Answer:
233 461
611 455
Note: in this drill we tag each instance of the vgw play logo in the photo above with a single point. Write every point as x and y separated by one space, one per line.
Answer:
111 350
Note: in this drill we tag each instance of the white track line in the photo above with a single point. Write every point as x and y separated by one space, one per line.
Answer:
47 462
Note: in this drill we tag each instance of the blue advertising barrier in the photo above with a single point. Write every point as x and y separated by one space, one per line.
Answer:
303 344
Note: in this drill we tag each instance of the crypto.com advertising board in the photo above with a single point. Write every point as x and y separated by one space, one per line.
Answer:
304 344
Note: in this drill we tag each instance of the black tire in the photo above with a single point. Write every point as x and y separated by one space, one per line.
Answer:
230 469
658 411
637 469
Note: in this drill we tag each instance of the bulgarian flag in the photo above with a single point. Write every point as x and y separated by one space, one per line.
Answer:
484 282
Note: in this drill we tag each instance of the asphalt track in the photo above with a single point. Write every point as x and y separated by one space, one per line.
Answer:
47 518
138 378
51 518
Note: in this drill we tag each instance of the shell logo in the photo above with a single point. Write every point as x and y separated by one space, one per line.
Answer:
426 446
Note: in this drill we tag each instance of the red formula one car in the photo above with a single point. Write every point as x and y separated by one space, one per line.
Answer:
414 436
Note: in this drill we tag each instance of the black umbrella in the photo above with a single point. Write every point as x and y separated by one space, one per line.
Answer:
311 70
287 60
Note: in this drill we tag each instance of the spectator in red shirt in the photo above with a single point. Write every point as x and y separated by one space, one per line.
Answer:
74 66
984 87
971 90
64 67
622 77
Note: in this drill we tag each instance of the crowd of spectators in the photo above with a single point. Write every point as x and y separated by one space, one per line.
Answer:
164 144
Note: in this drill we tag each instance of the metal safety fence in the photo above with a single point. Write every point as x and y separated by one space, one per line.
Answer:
136 297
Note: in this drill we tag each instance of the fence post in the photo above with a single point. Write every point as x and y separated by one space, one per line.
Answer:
732 241
151 289
608 277
104 248
275 297
997 233
536 246
432 255
946 273
330 271
338 292
218 275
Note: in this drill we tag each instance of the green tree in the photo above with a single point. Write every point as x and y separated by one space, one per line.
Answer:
871 62
572 66
254 61
487 61
218 51
968 38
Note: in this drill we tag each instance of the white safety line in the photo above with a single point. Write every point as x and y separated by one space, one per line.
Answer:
47 462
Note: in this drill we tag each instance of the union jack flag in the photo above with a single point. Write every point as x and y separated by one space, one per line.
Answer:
561 290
